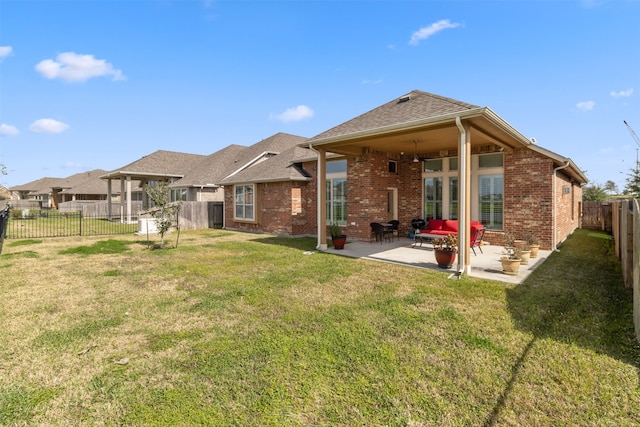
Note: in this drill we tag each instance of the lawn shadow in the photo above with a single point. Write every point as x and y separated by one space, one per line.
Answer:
576 297
301 243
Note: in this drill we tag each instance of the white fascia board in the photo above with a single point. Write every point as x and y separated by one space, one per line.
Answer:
251 162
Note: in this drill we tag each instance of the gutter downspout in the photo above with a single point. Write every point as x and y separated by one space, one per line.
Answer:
555 207
462 227
319 185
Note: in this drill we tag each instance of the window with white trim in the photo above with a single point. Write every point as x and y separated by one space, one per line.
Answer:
337 192
244 202
490 194
441 189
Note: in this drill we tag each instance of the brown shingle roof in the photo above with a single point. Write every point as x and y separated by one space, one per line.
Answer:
160 163
416 105
212 169
274 144
282 167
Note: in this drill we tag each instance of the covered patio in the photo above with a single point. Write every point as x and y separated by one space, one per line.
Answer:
401 251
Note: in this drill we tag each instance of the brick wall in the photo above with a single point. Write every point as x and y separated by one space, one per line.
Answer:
282 209
290 208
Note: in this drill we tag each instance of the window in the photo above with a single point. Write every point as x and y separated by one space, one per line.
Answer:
490 161
433 165
433 198
179 194
244 202
337 192
393 166
453 197
491 201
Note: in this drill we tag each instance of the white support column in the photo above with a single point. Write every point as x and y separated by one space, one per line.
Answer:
464 198
128 199
322 199
109 199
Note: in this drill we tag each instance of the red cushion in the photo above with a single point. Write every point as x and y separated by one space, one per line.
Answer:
450 225
435 224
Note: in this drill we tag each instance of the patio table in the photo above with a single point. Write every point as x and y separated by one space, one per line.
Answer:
422 236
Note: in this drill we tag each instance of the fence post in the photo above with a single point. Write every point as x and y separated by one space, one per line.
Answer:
4 220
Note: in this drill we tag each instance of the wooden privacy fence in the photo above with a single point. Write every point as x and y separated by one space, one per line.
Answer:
597 216
621 218
197 215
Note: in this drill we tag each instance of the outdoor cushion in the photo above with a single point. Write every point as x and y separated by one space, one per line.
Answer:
450 225
435 224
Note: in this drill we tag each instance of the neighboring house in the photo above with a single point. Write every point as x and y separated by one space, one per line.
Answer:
158 166
274 196
5 194
85 186
200 183
50 192
40 191
269 175
426 156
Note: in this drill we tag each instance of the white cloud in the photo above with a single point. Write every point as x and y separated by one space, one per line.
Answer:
300 112
5 51
72 67
8 130
622 93
585 105
48 126
372 82
426 32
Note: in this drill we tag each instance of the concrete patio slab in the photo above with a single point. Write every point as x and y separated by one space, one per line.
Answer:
484 265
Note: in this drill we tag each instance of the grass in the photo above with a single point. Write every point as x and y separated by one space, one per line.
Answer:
250 330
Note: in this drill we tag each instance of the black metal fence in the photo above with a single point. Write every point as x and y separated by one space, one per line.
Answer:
37 223
4 219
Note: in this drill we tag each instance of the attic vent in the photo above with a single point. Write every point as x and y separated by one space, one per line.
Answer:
404 98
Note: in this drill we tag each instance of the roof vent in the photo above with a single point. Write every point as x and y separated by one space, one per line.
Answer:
404 98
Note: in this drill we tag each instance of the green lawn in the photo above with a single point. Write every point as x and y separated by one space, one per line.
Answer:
250 330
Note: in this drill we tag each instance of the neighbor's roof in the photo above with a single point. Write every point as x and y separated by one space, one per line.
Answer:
212 169
159 164
283 167
39 186
262 150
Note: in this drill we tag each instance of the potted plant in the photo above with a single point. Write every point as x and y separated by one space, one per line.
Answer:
338 238
511 258
534 246
445 249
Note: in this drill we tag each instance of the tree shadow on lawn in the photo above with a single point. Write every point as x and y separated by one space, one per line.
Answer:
301 243
577 296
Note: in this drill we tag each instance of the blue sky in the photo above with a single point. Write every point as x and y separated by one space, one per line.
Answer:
98 84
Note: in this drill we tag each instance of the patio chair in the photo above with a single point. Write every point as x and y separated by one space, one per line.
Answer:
476 240
380 232
394 228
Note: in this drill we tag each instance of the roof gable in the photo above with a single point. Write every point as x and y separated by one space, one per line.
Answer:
416 105
212 169
283 167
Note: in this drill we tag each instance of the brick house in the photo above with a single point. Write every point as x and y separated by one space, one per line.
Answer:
418 156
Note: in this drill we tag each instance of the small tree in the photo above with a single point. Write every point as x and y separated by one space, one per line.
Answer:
611 187
594 193
163 211
632 186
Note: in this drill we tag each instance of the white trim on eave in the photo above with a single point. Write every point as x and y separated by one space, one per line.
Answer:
431 121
